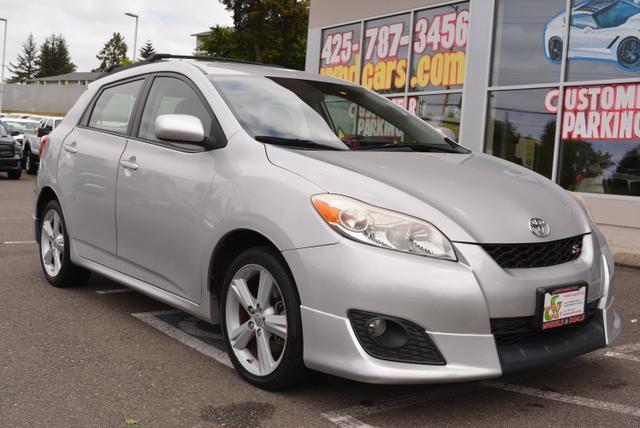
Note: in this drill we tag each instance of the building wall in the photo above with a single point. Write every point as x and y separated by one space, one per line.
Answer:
56 99
331 12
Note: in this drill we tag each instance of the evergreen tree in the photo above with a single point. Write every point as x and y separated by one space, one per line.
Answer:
114 52
147 50
54 57
26 67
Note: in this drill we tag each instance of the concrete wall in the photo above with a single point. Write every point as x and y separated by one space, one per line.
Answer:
41 98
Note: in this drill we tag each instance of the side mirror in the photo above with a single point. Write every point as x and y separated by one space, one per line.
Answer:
42 131
179 128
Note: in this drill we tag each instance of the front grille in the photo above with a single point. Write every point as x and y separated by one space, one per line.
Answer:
419 348
513 331
523 256
6 151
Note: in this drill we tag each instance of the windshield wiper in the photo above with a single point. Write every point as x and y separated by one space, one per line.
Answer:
414 147
294 142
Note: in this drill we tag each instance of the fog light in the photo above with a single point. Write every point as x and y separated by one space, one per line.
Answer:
376 327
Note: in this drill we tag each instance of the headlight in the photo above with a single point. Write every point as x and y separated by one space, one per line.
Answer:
383 228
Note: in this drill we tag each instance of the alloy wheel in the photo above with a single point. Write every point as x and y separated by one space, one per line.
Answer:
52 243
256 320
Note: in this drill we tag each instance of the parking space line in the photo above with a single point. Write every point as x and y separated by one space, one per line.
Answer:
182 337
625 349
16 218
622 356
348 417
114 291
570 399
18 242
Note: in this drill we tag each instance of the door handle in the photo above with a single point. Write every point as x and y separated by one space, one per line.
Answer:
71 147
129 164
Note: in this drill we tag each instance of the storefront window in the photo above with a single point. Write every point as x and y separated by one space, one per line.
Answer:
528 40
442 111
340 53
386 54
440 38
604 40
521 129
600 139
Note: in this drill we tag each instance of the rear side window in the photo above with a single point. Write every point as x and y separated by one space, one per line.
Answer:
169 95
114 107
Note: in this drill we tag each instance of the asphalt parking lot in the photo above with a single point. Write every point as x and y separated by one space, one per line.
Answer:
107 357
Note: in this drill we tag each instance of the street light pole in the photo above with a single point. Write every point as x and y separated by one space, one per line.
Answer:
4 54
135 36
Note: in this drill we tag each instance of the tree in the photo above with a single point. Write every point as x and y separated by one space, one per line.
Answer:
54 57
223 42
269 31
114 52
26 67
147 50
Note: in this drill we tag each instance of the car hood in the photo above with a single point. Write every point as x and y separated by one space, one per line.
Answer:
470 197
6 140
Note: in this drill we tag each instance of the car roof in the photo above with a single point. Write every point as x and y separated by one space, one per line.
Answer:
213 68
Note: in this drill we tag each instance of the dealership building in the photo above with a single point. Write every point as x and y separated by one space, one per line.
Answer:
499 77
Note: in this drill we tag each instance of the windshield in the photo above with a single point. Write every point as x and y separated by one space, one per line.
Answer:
326 115
616 15
20 127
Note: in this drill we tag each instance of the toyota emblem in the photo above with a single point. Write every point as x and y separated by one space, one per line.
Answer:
539 227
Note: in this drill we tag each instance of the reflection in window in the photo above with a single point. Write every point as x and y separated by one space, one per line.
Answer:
442 111
527 42
521 130
604 42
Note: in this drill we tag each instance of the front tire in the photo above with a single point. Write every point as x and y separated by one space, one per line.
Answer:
15 175
555 47
261 321
55 249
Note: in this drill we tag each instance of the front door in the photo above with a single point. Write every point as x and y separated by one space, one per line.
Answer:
162 196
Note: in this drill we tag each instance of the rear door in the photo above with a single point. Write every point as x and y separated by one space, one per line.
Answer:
163 191
88 167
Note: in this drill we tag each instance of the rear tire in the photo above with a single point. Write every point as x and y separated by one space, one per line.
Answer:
55 249
15 175
269 325
629 53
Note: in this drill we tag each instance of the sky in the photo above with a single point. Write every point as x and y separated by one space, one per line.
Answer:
89 24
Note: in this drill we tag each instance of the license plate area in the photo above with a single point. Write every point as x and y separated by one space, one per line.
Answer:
561 305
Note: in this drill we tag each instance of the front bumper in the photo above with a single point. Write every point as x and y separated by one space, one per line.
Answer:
11 164
453 302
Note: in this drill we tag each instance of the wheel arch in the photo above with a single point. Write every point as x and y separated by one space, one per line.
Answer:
46 195
229 247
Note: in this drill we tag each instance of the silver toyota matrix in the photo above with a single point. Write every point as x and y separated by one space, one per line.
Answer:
321 225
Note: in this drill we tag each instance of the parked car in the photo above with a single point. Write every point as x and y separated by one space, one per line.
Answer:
10 154
32 140
378 249
18 127
605 30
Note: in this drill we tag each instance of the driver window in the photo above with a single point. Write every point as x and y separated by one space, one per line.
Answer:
169 95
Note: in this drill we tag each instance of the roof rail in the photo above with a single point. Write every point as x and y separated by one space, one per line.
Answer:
161 56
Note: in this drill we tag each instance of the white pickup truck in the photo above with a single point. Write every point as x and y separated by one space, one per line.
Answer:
31 143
